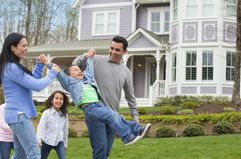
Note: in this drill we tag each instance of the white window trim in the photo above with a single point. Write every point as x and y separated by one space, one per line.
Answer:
231 67
162 11
105 22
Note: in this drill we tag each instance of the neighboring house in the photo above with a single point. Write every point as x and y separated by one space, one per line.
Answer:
197 60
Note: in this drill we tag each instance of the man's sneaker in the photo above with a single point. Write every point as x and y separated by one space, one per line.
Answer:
144 130
133 141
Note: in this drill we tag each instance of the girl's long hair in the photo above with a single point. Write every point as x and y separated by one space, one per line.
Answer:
63 109
7 54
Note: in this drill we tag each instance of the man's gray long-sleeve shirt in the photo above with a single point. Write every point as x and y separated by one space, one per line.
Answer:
111 78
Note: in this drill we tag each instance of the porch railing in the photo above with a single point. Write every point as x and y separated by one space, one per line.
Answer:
157 90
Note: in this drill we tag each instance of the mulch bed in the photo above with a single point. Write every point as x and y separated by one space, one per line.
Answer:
215 108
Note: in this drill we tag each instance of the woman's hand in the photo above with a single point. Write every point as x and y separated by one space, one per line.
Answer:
42 59
56 68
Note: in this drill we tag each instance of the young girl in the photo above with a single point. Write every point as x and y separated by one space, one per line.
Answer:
52 131
18 82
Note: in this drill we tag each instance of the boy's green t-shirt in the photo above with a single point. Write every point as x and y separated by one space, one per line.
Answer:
89 95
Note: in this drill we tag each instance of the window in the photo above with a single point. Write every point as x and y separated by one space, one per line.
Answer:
106 22
207 65
191 69
231 8
166 21
158 21
192 8
175 9
230 64
155 22
208 8
174 67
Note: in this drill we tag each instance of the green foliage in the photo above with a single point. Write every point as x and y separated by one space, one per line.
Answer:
178 100
72 133
190 105
85 133
185 112
228 109
167 109
142 111
193 130
191 119
35 102
223 128
165 132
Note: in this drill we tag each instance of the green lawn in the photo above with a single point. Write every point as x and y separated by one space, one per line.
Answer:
206 147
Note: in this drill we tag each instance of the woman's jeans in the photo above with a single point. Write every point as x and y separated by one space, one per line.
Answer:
5 149
25 140
103 123
60 150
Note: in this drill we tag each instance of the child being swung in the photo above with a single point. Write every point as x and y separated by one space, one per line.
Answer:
84 92
52 131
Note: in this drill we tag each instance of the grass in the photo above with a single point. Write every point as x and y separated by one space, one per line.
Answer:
205 147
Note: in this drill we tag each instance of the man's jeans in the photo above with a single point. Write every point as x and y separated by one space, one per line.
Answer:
5 149
102 122
25 140
60 150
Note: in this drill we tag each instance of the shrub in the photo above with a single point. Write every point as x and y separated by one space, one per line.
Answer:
167 109
35 102
142 111
165 132
185 112
223 127
190 105
72 133
85 133
193 130
228 109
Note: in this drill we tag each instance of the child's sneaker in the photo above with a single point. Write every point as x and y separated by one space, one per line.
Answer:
144 130
133 141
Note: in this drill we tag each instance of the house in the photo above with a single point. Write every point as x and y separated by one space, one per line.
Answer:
176 47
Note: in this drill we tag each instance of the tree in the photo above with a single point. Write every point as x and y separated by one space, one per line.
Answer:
236 85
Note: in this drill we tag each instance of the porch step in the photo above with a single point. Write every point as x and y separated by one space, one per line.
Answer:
141 102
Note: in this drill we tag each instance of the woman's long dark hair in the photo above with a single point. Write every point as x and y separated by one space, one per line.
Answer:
63 109
7 54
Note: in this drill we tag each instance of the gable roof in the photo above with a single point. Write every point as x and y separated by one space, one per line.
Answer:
159 41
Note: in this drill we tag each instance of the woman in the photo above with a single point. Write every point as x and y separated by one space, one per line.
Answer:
18 83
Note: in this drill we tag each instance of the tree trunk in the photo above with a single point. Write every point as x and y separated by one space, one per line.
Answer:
236 85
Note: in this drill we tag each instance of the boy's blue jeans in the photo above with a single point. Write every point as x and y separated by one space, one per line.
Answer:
5 149
25 140
102 122
60 150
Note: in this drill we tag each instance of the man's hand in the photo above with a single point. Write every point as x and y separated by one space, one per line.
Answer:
90 54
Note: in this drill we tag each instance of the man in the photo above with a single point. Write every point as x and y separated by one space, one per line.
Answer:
111 75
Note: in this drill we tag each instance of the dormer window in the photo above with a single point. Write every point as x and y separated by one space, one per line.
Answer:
159 20
106 22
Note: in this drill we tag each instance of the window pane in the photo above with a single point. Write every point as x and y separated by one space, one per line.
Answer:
112 18
99 19
193 59
210 59
205 59
210 73
204 73
99 29
111 28
194 73
188 73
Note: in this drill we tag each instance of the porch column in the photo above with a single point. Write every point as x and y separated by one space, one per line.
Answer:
50 58
158 58
125 58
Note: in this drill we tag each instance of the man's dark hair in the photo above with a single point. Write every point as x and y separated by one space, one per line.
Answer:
120 39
